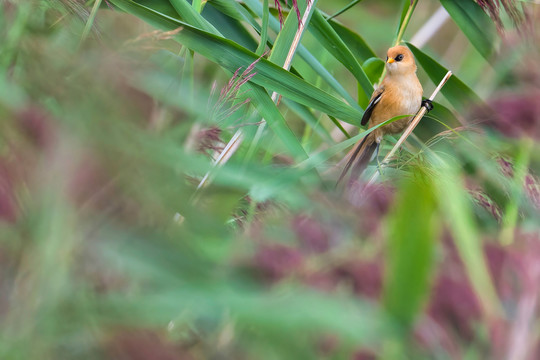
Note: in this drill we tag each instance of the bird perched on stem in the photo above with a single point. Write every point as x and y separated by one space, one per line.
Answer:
400 93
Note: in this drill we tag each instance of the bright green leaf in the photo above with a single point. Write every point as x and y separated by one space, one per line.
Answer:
475 24
413 228
373 67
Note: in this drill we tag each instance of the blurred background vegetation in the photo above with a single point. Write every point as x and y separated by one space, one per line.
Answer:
113 111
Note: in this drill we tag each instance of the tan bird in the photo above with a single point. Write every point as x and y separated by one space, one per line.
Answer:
400 93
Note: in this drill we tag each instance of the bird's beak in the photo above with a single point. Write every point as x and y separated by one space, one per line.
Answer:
390 60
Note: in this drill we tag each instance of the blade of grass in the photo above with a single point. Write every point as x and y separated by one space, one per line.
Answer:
230 27
90 21
329 38
198 5
414 224
354 42
289 37
264 30
457 211
235 10
406 14
340 127
341 11
190 15
475 24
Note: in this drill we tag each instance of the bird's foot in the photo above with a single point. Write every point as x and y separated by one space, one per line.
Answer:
427 104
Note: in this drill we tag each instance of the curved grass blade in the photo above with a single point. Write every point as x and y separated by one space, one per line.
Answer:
373 67
457 210
228 27
406 13
269 111
354 42
236 11
341 11
188 14
264 30
329 38
475 24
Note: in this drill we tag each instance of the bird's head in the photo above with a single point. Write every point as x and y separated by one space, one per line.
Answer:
400 61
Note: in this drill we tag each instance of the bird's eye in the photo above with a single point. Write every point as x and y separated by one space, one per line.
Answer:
399 57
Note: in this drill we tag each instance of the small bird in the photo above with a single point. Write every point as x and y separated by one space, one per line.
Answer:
400 93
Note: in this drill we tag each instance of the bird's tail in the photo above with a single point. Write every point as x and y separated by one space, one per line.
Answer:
360 157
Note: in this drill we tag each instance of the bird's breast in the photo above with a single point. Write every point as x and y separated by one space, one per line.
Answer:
410 102
402 97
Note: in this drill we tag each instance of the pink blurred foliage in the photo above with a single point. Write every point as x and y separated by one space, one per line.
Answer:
35 136
143 345
38 127
454 311
494 7
370 204
453 316
365 276
277 261
8 206
531 183
313 235
364 354
514 115
209 140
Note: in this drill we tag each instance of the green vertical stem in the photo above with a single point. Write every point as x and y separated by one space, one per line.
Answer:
404 22
339 126
264 29
187 72
458 213
511 211
306 137
90 21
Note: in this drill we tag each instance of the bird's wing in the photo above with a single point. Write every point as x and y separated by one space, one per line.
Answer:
375 98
